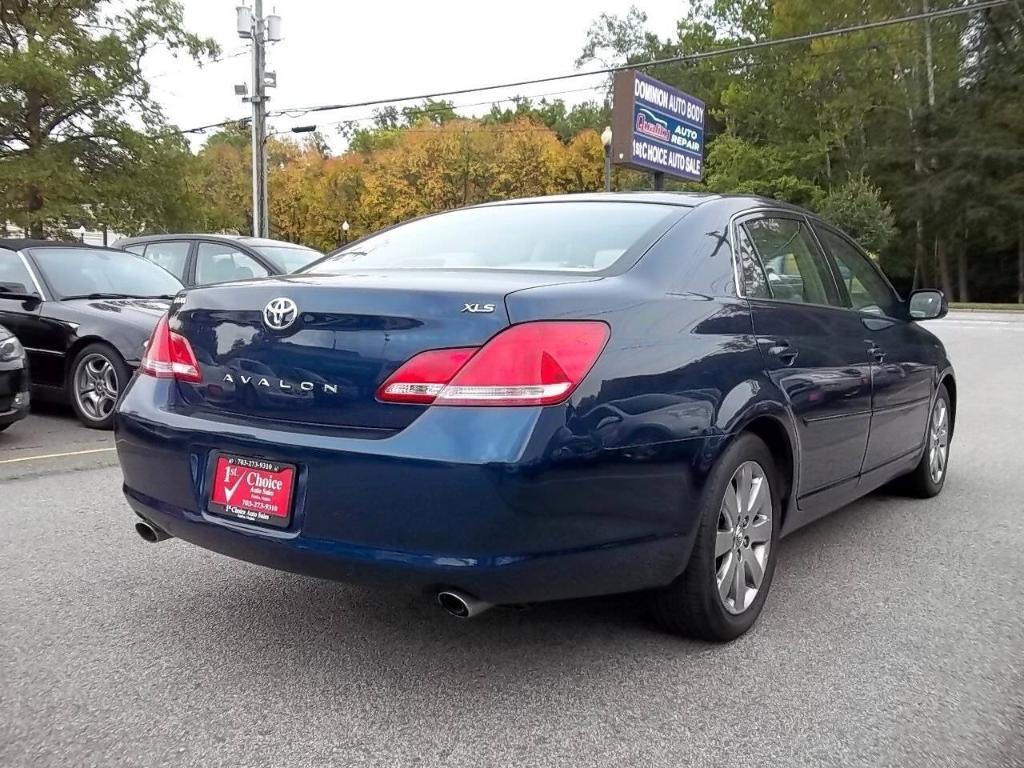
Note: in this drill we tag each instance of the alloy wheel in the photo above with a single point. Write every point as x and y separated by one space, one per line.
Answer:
743 540
938 441
95 387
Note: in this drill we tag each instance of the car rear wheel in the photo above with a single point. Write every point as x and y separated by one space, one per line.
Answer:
927 479
97 379
720 594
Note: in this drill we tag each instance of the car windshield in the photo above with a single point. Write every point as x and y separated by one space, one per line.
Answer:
546 237
88 272
288 258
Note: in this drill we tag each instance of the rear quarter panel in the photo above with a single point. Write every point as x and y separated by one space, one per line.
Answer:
682 368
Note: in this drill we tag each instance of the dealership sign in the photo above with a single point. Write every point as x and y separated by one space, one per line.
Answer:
657 128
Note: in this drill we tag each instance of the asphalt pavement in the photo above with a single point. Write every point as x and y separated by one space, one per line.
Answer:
893 635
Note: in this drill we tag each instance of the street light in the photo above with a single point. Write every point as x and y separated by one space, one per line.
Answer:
296 129
344 231
606 139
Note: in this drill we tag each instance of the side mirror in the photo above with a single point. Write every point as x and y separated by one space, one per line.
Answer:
928 304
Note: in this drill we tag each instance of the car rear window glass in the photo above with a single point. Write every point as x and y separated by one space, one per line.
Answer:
795 268
219 263
170 255
544 237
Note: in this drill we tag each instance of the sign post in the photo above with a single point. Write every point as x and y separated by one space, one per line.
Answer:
657 128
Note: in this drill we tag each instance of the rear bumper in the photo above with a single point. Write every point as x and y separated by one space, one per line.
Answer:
496 502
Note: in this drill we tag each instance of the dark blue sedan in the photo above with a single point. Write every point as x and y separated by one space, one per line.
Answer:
543 399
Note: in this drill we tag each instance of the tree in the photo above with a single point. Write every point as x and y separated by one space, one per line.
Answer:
857 207
220 176
71 92
566 122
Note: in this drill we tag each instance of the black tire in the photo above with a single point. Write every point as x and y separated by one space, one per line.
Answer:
920 482
692 605
102 417
4 426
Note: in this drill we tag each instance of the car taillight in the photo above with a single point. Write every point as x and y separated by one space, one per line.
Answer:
537 363
169 355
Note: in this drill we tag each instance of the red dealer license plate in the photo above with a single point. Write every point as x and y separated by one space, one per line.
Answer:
252 490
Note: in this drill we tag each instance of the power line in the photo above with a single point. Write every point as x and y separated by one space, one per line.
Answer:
979 5
682 59
441 109
595 89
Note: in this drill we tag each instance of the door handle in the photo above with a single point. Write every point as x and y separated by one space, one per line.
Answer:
784 352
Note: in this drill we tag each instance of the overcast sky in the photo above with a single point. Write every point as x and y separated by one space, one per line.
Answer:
338 51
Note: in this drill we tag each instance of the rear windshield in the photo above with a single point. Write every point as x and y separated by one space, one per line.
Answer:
545 237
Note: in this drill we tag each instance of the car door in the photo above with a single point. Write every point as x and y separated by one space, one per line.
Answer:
25 320
813 349
903 369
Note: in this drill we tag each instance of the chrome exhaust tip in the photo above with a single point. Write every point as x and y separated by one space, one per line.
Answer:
150 532
461 605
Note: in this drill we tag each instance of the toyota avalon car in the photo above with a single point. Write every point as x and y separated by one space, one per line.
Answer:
543 399
83 315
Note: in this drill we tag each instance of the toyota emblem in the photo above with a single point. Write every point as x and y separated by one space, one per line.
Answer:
280 314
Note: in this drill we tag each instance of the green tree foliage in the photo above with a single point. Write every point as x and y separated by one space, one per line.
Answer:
566 122
857 207
71 96
917 125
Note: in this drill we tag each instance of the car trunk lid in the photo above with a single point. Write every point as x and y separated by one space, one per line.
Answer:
349 333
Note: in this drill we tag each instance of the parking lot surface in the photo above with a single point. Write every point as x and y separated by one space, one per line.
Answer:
893 635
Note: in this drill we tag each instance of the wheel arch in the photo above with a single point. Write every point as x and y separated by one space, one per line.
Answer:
80 344
775 431
949 382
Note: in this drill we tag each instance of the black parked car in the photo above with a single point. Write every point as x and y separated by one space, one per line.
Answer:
206 259
14 397
83 315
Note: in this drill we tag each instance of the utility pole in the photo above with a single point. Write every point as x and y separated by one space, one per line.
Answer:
260 30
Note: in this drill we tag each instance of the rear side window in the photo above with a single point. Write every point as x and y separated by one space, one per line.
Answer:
755 283
866 288
795 269
137 248
542 237
220 263
170 255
